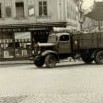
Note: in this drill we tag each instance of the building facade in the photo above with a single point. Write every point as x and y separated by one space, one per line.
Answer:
26 22
73 16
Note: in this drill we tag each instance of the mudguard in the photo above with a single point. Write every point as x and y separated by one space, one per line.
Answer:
45 53
95 52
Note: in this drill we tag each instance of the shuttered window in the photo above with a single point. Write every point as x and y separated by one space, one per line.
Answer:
40 8
45 7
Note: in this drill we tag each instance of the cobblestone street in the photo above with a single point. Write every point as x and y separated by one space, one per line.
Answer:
72 82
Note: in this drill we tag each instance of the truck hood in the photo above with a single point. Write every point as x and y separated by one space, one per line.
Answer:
45 44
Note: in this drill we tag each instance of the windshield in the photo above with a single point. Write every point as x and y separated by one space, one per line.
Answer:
52 38
64 38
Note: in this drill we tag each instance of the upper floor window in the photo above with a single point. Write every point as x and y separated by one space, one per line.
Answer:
43 8
0 11
19 9
8 11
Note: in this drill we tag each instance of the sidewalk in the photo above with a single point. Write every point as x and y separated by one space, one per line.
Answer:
69 61
14 63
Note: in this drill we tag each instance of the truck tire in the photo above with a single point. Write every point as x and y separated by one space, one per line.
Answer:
50 61
87 59
99 57
38 61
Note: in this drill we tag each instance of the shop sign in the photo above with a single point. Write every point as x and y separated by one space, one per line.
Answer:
22 35
31 11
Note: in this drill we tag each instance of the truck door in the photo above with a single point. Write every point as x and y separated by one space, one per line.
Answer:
64 44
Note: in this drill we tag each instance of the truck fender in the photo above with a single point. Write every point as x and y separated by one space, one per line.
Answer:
45 53
94 53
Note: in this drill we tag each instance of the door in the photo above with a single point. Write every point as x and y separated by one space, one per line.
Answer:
64 44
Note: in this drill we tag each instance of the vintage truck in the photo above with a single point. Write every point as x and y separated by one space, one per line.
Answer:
62 45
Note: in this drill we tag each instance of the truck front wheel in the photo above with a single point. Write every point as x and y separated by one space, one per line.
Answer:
99 57
50 61
38 61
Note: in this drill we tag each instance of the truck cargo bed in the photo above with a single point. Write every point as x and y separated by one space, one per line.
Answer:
88 41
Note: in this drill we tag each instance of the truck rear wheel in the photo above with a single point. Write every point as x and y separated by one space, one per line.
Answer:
50 61
38 61
87 59
99 57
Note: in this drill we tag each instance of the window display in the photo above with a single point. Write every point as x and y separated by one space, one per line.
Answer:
17 45
6 50
22 46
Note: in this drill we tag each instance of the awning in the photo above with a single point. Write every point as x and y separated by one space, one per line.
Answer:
30 27
96 12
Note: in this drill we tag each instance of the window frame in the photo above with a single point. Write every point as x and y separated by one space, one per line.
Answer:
20 2
43 8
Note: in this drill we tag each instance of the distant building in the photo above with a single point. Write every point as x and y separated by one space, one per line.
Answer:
94 18
90 25
26 22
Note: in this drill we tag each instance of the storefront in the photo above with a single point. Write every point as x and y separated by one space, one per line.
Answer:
17 41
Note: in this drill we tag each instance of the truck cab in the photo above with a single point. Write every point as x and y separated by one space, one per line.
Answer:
62 42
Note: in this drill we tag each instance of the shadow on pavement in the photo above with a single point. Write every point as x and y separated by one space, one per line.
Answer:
68 66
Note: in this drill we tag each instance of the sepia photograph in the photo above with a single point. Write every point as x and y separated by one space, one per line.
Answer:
51 51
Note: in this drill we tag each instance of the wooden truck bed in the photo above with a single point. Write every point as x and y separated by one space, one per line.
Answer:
88 41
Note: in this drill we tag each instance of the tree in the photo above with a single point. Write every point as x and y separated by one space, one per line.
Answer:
79 5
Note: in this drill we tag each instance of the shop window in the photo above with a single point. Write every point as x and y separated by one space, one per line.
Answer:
43 8
19 9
